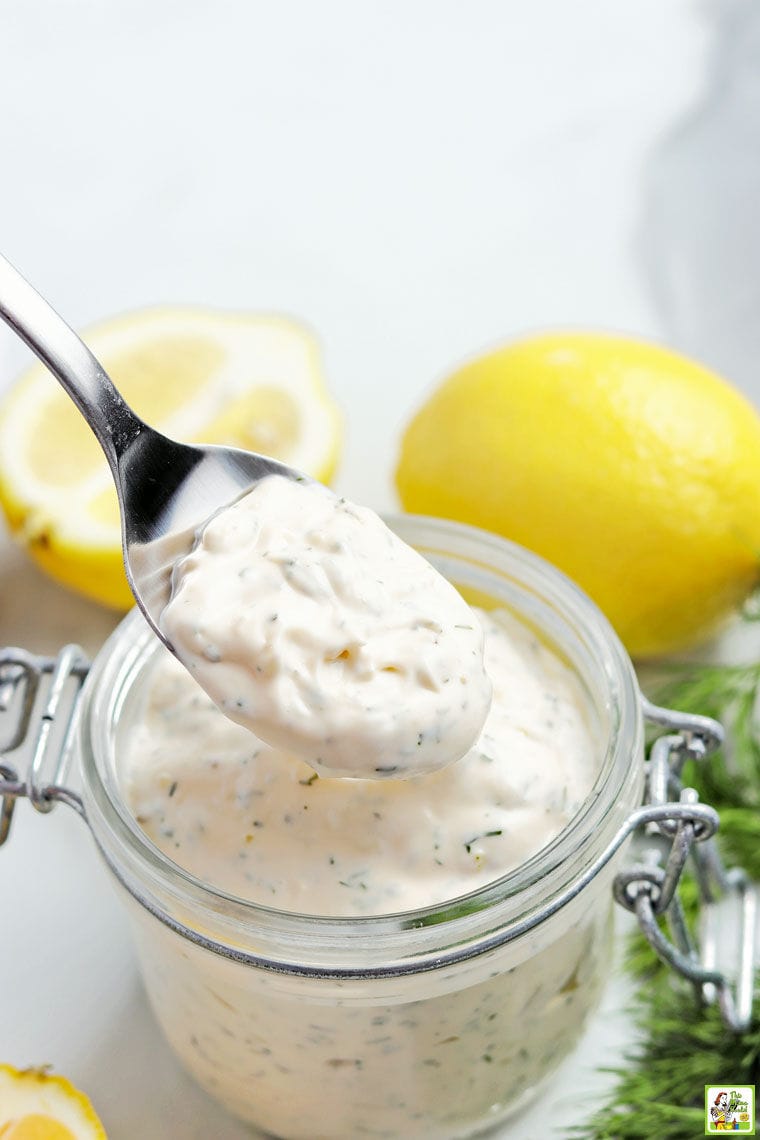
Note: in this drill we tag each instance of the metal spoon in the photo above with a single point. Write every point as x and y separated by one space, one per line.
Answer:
167 490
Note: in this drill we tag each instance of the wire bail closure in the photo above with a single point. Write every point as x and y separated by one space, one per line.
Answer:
38 700
649 889
38 705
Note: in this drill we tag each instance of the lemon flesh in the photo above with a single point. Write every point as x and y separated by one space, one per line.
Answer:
34 1105
633 469
198 376
35 1126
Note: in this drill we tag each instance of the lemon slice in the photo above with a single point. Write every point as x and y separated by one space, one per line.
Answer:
199 376
37 1106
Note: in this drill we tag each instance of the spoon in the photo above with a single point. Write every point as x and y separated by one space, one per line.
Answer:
167 490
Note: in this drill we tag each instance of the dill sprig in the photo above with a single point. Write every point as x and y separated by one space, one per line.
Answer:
660 1093
682 1046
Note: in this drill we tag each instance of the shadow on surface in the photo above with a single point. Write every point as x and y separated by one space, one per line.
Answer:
41 616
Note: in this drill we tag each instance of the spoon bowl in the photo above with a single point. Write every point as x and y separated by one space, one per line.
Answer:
167 490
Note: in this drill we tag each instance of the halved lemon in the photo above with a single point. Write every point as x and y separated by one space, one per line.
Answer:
35 1105
198 375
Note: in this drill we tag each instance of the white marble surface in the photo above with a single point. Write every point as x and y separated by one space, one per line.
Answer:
417 180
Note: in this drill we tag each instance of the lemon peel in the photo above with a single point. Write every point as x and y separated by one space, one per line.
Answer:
630 467
37 1105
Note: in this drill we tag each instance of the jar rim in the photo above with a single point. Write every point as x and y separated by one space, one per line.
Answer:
160 884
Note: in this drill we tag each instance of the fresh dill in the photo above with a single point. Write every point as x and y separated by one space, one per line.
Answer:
486 835
681 1046
660 1092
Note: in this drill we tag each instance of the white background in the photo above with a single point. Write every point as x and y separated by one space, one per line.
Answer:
417 180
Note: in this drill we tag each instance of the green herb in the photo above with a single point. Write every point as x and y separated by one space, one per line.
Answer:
659 1091
486 835
448 914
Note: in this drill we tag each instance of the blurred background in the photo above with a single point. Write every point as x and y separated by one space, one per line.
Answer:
416 180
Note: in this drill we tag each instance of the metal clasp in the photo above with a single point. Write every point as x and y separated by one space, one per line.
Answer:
38 702
683 834
42 692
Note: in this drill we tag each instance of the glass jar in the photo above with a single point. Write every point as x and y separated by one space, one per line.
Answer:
436 1023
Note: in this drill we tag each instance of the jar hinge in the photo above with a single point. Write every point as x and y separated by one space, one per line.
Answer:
666 845
38 700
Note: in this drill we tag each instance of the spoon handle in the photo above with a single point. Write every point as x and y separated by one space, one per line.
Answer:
30 316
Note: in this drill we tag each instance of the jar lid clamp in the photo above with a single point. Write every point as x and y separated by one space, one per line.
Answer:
38 699
38 703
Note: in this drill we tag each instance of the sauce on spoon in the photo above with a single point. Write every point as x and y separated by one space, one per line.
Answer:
314 626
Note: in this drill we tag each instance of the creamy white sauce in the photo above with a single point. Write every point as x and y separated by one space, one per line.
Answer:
313 625
435 1056
258 822
428 1057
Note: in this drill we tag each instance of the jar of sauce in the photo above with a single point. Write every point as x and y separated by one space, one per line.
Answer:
397 997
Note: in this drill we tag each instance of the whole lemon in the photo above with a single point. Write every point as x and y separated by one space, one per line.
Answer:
633 469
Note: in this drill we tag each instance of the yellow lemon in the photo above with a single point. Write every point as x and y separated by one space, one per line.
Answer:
37 1106
633 469
197 375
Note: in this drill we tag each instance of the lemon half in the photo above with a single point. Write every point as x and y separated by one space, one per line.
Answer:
632 468
198 376
37 1106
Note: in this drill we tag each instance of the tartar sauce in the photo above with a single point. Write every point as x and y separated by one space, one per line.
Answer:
256 821
312 624
435 1056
